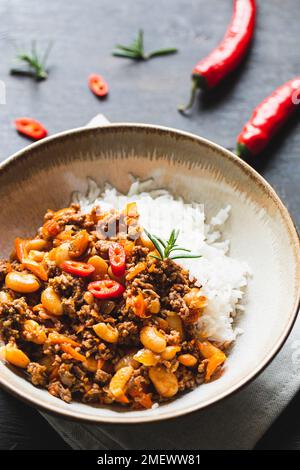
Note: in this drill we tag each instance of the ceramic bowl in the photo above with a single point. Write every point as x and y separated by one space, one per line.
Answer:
261 231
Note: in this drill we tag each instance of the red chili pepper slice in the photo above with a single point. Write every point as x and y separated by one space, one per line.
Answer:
77 268
267 118
31 128
106 289
117 258
229 53
98 85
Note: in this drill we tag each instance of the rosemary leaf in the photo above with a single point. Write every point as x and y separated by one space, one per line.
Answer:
161 241
180 249
166 247
156 257
155 243
35 64
160 52
126 55
131 50
136 50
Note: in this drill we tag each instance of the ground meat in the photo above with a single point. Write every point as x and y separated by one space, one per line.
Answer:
72 216
73 362
102 377
38 374
177 303
67 285
128 332
13 315
52 269
102 247
93 394
58 390
4 269
65 375
187 379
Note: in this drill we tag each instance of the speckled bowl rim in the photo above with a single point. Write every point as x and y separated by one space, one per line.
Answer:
258 179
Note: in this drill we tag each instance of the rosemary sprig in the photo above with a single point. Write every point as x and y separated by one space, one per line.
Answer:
35 64
166 247
136 49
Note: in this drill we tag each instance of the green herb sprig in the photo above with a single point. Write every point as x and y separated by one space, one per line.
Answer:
35 64
136 49
166 247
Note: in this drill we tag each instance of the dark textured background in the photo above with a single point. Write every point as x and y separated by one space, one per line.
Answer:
84 33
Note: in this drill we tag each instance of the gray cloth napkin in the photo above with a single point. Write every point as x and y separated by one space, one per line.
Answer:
238 422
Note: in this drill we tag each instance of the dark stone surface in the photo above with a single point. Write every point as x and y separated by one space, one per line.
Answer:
84 34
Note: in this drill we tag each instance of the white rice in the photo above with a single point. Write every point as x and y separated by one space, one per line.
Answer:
223 278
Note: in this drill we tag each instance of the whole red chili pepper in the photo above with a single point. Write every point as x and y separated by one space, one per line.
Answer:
229 53
268 118
31 128
77 268
98 85
106 289
117 259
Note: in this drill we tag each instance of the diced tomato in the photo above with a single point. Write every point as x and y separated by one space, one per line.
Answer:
117 258
106 289
77 268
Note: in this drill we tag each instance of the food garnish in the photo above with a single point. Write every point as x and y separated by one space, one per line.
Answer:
98 85
89 319
166 247
35 63
106 289
136 50
77 268
223 60
117 259
31 128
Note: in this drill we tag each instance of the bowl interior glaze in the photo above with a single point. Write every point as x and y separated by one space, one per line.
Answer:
45 174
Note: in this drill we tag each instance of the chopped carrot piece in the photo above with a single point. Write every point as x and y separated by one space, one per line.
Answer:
65 235
139 306
144 399
214 355
50 229
122 399
128 246
72 352
61 212
57 338
138 268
